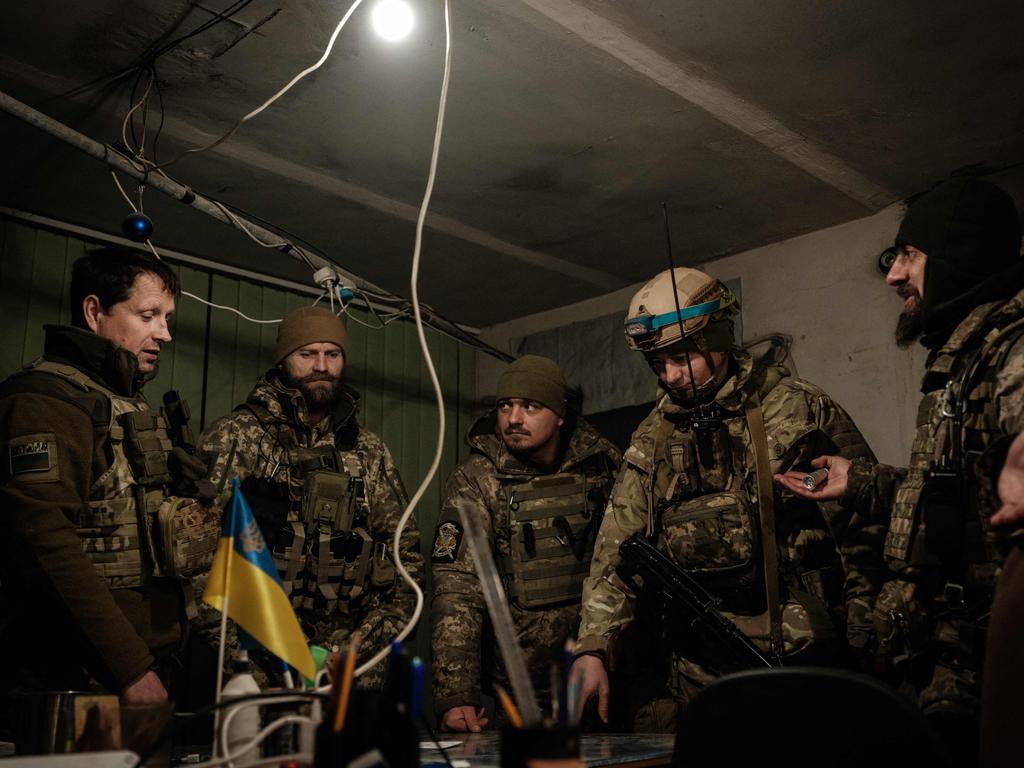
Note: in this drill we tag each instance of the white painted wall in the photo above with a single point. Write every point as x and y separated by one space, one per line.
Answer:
823 289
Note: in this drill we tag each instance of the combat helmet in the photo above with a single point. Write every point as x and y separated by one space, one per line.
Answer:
653 322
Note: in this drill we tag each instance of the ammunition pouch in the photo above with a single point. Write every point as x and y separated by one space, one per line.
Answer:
146 445
552 529
189 532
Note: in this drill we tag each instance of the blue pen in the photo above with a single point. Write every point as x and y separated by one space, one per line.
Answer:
416 694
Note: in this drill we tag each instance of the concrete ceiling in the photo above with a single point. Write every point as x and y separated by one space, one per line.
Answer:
568 122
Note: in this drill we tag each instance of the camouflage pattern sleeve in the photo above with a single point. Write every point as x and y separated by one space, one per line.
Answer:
457 607
390 600
608 602
1009 392
860 537
230 439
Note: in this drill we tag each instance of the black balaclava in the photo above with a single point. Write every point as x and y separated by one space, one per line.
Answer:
970 232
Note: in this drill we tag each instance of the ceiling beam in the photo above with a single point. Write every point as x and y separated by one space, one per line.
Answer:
684 79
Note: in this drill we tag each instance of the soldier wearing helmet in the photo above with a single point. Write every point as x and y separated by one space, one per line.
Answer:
696 480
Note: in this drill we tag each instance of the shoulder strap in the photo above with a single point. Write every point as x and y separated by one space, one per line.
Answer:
766 510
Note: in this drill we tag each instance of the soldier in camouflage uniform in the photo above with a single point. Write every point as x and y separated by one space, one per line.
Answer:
92 596
696 481
324 491
538 477
960 274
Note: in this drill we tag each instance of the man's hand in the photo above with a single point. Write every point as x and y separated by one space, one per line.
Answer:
832 487
1011 486
595 681
464 719
146 690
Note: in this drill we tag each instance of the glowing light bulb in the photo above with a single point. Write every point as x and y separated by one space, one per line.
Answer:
392 19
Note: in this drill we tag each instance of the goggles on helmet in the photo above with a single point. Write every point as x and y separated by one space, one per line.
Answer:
645 328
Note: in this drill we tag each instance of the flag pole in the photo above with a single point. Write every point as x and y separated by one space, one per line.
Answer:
224 624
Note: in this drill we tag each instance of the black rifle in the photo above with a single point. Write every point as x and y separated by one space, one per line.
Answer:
700 609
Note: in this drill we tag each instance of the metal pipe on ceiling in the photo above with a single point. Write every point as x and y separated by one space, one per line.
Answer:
180 192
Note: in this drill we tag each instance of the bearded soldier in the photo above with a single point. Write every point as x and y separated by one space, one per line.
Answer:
324 490
94 580
959 272
537 478
696 481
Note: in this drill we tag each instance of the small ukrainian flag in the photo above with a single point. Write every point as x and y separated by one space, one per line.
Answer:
244 578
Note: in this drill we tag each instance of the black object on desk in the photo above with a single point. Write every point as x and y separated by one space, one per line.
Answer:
597 750
372 722
520 745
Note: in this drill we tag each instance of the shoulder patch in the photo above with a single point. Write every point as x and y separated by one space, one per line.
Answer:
33 458
447 541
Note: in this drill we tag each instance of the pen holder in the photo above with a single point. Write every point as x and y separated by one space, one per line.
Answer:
520 745
372 722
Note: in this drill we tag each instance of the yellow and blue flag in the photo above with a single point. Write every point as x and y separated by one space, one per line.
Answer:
243 572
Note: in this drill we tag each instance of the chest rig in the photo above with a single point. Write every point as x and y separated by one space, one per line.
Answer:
703 511
552 520
325 552
119 526
940 509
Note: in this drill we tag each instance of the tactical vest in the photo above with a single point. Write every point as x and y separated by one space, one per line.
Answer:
118 526
552 525
326 557
707 520
960 382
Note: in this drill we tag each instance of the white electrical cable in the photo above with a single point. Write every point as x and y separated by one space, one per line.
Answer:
280 93
139 151
204 301
257 740
238 225
234 710
229 309
417 248
117 183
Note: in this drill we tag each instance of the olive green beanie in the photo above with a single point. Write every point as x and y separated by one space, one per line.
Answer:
533 377
308 325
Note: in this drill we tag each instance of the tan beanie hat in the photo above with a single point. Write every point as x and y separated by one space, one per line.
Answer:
308 325
533 377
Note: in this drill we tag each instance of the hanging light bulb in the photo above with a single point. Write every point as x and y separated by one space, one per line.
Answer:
392 19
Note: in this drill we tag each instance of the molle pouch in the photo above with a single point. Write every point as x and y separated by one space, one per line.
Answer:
942 510
146 445
351 556
289 555
714 535
327 504
382 570
189 533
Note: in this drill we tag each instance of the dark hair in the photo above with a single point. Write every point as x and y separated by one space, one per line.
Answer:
109 274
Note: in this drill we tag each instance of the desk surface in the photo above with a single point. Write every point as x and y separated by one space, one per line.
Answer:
598 750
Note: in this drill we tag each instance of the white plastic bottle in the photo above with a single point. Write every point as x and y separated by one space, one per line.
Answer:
244 723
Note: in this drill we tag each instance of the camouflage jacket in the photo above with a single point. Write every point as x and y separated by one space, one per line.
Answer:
705 518
265 438
461 640
979 369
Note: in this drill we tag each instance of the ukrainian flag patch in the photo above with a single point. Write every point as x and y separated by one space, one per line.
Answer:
33 457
